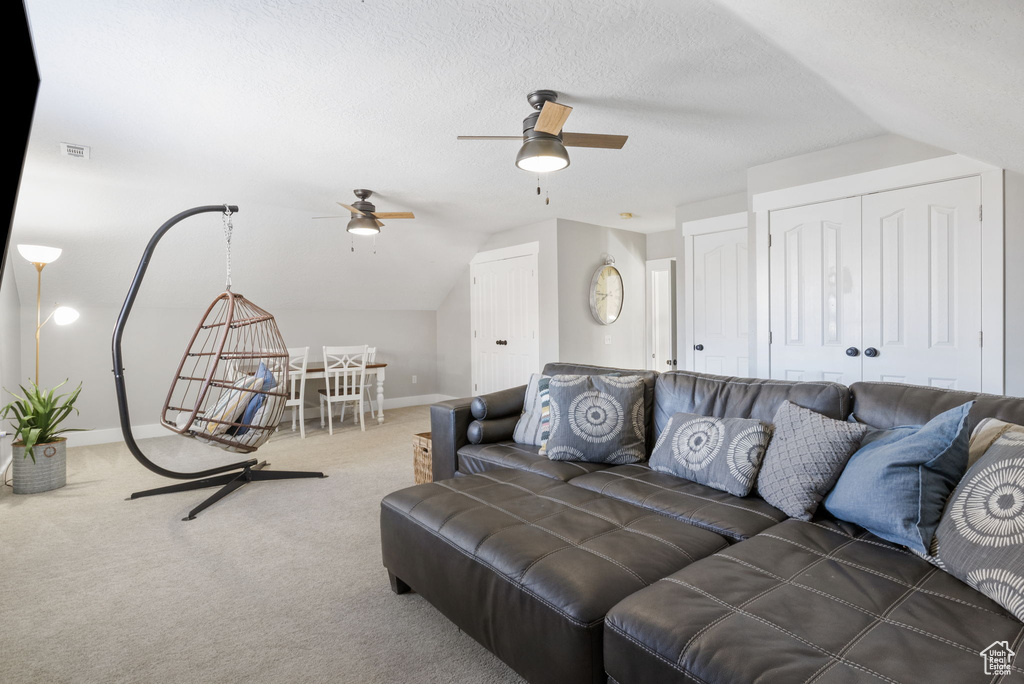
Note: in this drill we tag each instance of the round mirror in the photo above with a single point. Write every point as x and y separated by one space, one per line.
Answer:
606 294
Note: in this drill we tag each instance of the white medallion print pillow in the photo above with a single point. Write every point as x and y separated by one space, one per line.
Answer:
724 453
980 537
596 418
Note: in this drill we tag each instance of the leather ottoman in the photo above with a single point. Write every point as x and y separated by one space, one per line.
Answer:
529 566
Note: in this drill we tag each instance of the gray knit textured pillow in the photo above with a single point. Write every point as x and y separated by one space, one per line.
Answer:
805 458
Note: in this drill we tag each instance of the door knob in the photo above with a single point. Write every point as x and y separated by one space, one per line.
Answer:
501 342
852 351
669 362
871 351
699 347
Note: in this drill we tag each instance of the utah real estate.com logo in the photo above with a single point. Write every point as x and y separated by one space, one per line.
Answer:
997 658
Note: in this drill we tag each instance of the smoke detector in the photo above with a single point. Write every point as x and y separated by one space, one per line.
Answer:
74 151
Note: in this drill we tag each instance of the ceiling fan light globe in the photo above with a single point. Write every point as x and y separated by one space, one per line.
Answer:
542 156
64 315
363 226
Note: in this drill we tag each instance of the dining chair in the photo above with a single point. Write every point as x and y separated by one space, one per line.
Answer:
344 382
371 357
297 359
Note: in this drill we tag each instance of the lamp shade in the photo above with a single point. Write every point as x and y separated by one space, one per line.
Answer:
39 254
63 315
541 155
363 225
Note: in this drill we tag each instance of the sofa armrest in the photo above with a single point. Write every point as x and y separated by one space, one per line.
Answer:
492 430
450 421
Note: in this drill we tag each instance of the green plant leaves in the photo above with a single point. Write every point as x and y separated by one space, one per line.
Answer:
39 413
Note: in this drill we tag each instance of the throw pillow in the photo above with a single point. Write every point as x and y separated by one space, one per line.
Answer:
254 405
596 418
229 406
724 453
985 434
805 457
528 429
897 485
980 538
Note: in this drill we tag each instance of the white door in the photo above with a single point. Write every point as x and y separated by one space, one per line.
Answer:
720 303
922 285
815 298
661 315
505 319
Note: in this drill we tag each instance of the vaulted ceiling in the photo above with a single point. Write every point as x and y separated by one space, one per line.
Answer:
283 107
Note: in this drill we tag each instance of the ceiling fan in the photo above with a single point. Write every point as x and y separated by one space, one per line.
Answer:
544 141
365 219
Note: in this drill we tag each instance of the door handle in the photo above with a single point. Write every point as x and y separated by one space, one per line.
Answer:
501 342
699 347
853 351
871 351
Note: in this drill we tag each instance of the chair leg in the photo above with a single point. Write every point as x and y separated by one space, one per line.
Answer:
321 412
362 418
293 419
302 421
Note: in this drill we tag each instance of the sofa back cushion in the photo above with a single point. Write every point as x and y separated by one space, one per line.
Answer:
727 397
888 405
649 376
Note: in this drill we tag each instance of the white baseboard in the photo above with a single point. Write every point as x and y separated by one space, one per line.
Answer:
108 435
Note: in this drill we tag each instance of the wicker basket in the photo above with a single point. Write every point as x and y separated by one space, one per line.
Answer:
422 462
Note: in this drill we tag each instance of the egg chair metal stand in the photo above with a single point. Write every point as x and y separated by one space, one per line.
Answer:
236 354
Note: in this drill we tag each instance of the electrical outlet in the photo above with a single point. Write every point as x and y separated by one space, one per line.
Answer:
607 339
414 379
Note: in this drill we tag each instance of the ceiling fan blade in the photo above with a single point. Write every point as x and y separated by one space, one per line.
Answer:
379 224
491 137
354 210
552 118
607 142
392 214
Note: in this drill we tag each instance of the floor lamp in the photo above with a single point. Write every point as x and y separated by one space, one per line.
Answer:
39 256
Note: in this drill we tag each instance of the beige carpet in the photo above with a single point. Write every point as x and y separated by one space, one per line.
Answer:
279 582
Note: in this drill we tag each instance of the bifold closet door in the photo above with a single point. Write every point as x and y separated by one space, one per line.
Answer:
815 297
922 285
720 314
505 319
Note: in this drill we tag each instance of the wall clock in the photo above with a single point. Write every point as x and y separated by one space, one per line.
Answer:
606 293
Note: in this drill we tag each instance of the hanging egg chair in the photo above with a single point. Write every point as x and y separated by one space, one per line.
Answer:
229 389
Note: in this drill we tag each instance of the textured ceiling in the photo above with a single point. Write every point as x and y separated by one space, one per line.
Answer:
946 72
284 107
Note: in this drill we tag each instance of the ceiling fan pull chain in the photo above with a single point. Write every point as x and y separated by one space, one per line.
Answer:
538 185
229 226
353 248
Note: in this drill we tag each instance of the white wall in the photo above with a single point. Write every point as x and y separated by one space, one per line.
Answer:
582 248
155 339
1014 257
454 364
10 350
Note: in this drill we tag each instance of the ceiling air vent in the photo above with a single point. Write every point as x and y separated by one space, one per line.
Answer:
74 151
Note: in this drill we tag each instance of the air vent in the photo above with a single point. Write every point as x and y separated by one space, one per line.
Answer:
74 151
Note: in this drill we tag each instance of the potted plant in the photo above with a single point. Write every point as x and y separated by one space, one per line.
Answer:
37 417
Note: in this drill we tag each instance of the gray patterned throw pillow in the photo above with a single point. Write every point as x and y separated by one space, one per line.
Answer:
724 453
596 418
805 459
529 427
980 537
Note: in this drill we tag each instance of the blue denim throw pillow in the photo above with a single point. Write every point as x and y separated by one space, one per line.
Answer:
896 485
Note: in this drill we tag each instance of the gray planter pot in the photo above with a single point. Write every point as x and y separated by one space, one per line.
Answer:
49 471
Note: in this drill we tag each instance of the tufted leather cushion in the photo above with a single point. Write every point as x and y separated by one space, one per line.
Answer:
528 565
807 602
887 405
712 509
479 458
726 397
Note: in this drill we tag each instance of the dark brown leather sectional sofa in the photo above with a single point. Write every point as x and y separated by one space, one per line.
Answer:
581 572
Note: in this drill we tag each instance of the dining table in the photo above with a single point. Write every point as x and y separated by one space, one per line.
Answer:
315 371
